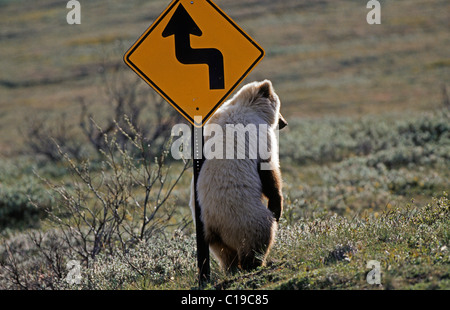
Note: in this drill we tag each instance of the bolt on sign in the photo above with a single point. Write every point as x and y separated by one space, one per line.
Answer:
194 56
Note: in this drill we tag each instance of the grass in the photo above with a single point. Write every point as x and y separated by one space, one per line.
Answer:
324 251
345 205
323 58
365 152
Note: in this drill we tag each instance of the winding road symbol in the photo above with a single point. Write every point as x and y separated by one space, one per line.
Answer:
194 55
181 26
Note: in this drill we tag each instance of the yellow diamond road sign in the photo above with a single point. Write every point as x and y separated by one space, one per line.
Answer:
194 56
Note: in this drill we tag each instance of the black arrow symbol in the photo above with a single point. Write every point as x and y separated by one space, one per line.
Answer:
181 25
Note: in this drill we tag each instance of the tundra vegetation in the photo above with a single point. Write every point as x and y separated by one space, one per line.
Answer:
86 173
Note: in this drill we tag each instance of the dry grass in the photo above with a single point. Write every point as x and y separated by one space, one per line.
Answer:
322 56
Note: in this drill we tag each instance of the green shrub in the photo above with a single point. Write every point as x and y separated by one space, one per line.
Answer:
158 262
349 166
17 204
419 139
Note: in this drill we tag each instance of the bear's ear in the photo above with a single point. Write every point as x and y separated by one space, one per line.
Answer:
266 89
282 122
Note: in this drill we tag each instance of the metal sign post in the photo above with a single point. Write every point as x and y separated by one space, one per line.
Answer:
202 245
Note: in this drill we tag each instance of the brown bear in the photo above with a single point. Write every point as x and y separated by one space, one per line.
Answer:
238 225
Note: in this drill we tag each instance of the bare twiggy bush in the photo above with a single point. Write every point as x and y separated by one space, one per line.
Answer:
42 137
106 207
123 202
146 111
120 94
32 261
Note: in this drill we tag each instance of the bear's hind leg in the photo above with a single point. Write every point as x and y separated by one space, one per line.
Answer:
252 259
254 252
228 257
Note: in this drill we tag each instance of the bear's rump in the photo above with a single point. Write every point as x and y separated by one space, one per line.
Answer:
252 230
231 203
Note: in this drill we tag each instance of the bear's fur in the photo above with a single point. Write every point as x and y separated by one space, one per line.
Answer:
238 226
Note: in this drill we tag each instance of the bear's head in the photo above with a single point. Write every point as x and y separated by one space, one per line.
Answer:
260 98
